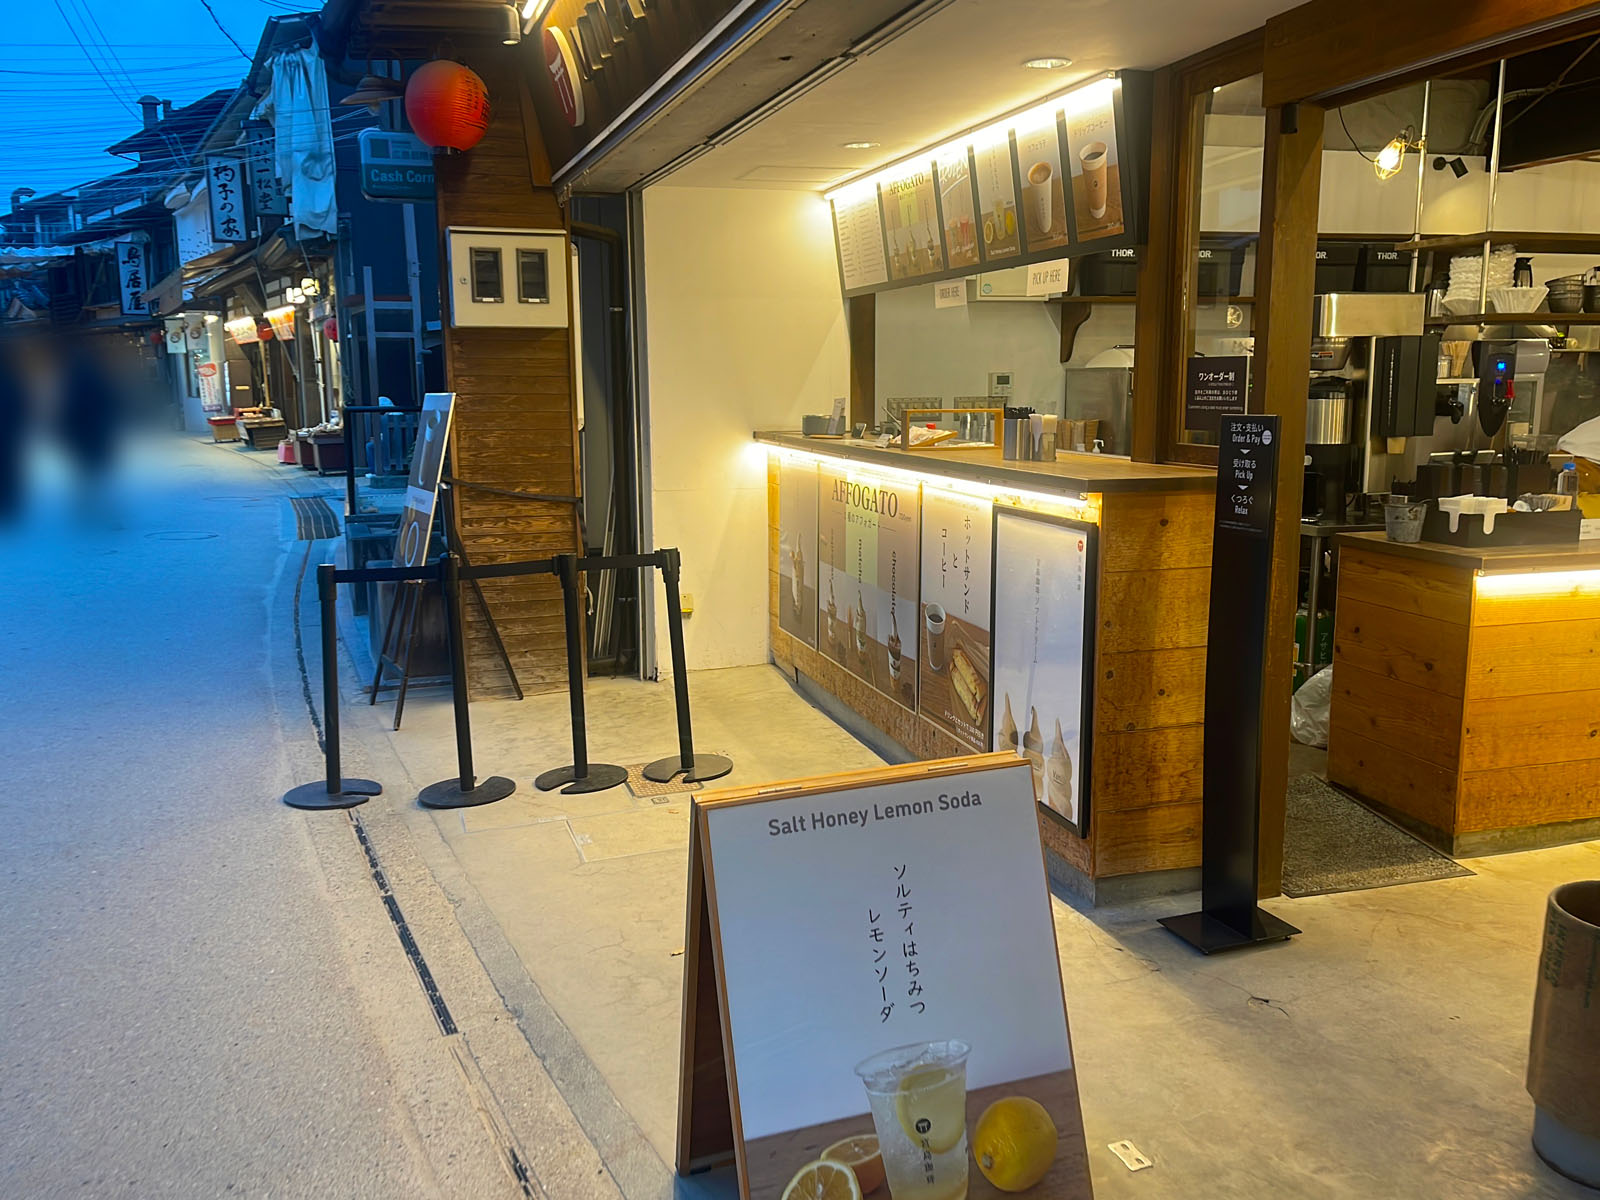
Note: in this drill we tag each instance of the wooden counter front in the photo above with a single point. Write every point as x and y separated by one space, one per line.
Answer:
1150 650
1466 695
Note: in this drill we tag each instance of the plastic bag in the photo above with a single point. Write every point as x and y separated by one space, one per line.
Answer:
1308 712
1583 441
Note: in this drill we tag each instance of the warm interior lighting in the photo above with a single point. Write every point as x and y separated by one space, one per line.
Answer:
1392 157
1047 63
533 11
1072 506
859 145
511 31
1083 95
1542 583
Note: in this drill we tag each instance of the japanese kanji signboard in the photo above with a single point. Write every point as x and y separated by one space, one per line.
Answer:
131 277
226 189
872 956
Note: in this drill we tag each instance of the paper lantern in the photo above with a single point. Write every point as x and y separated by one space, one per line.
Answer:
264 331
447 105
330 329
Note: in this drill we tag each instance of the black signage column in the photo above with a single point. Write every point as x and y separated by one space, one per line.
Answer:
1236 649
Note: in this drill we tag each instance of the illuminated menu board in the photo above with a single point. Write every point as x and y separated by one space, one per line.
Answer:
1064 178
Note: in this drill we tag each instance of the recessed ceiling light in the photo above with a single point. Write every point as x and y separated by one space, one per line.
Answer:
1047 64
859 145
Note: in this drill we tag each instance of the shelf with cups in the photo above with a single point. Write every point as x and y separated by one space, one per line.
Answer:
1534 318
1526 243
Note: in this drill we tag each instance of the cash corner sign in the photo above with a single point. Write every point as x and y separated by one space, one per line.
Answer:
395 166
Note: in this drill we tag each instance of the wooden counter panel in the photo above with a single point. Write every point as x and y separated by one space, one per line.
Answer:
1418 789
1150 689
1534 660
1147 768
1573 604
1160 530
1526 732
1153 610
1163 838
1407 585
1424 651
1514 797
1417 721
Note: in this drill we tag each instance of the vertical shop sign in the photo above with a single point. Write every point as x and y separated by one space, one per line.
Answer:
1092 157
269 195
915 983
131 277
225 188
957 558
797 550
1044 612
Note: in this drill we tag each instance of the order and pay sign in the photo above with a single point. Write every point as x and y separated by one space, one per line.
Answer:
1247 475
872 995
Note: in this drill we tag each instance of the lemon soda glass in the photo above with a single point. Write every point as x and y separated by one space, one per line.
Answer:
918 1095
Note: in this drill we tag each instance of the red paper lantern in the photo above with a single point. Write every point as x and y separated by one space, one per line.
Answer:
264 331
447 105
330 329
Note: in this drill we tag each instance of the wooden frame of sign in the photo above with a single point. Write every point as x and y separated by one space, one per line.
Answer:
933 815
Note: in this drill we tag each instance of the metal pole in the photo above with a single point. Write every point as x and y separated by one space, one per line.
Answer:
326 599
450 571
1494 184
1422 174
671 562
349 468
581 776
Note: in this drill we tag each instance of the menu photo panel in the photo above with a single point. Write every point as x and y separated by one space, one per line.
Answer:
797 549
957 207
1044 205
1092 157
1044 618
911 223
957 562
994 171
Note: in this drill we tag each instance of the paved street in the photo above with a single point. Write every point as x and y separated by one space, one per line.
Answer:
203 991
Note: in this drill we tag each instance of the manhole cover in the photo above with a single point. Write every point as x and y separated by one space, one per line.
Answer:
180 535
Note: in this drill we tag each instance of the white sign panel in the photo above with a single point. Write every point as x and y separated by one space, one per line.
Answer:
131 275
1048 278
957 556
858 230
950 293
422 489
1044 590
888 959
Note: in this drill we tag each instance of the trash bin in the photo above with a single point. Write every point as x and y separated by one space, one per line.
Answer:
1564 1050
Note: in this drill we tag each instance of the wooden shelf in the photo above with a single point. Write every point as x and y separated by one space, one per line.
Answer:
1537 318
1526 243
1211 300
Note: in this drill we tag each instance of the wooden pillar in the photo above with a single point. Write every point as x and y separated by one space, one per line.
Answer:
1159 315
861 317
515 423
1285 280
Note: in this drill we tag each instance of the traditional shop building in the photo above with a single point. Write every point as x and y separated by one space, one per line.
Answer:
1253 212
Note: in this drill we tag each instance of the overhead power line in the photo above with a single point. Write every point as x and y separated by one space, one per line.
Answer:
215 20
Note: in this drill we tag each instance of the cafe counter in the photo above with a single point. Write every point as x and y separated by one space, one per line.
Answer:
946 602
1466 689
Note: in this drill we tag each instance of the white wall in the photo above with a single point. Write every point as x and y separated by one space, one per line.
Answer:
744 330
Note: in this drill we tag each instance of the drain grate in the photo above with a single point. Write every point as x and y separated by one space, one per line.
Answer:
313 518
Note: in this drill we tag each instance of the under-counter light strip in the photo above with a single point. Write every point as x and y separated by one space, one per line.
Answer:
1084 94
1541 583
994 493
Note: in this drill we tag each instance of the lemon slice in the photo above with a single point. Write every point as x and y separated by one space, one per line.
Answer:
932 1106
861 1154
823 1180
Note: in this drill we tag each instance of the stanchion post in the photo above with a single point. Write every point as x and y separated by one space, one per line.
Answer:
694 768
581 776
464 791
335 791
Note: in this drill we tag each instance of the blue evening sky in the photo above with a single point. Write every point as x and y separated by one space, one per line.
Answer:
62 103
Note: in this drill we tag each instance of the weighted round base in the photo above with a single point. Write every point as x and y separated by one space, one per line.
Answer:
703 768
316 797
598 778
448 793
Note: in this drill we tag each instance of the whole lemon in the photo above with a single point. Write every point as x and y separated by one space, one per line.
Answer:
1014 1143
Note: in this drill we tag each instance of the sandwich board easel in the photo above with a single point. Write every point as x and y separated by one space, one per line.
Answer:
957 841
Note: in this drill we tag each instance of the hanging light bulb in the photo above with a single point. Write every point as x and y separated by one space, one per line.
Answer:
1392 157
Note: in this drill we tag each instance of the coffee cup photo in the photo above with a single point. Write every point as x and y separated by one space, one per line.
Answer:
1092 158
935 617
1039 177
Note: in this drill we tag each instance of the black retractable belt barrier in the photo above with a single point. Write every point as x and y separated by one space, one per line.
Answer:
336 791
695 768
464 791
581 776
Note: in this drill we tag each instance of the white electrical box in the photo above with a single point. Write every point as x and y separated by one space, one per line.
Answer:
1000 383
508 278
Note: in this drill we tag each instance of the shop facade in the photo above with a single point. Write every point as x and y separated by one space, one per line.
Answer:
801 255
